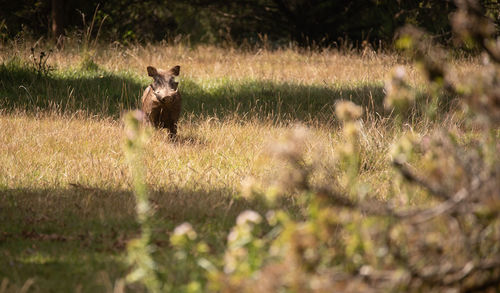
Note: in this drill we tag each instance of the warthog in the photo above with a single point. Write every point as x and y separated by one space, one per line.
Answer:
161 101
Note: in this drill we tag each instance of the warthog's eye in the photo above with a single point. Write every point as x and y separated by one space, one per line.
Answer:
173 83
157 83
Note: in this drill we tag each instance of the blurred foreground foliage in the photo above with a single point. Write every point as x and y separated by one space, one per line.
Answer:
349 240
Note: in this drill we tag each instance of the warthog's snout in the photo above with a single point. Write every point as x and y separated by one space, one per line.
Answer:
164 95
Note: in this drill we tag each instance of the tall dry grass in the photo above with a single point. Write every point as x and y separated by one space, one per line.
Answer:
63 172
57 149
208 62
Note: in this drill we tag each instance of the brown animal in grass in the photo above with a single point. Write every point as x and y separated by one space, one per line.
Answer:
161 101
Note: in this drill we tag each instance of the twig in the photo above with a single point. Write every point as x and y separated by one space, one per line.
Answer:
411 176
442 208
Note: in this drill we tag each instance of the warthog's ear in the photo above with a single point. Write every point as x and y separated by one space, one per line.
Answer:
152 71
175 70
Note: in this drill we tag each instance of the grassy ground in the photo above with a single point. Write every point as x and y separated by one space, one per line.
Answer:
66 202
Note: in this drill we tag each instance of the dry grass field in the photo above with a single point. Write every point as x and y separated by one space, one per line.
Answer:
66 204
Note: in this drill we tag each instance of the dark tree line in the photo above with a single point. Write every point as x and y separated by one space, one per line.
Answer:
304 22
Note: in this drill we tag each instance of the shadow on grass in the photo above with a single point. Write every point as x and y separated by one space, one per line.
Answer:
108 94
95 92
76 237
265 99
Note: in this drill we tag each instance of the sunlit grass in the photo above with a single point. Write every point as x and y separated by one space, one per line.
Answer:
63 172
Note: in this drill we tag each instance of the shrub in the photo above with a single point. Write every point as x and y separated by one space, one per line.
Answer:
347 239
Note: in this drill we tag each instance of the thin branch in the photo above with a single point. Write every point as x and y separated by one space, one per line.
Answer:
440 209
413 177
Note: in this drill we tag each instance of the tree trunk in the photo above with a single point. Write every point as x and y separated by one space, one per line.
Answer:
57 19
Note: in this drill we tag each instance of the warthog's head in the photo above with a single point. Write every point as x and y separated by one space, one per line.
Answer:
164 85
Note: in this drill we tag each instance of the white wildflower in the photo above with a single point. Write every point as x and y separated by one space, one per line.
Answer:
185 229
248 216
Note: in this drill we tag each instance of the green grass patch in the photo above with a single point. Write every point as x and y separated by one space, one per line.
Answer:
100 92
